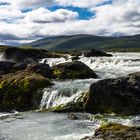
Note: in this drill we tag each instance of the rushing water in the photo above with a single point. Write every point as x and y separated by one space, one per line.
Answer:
121 64
55 126
45 126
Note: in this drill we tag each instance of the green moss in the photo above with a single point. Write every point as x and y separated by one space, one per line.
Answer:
113 127
57 73
19 91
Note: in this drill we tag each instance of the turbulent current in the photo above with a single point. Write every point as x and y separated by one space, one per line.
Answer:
121 64
56 126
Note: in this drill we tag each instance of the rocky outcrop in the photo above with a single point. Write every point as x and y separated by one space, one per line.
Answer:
27 55
115 132
96 53
20 91
73 70
120 95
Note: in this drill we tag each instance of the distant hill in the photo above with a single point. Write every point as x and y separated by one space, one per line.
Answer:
87 42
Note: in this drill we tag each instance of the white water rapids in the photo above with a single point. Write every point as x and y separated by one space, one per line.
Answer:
121 64
56 126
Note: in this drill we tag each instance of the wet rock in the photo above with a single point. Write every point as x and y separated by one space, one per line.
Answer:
72 116
43 69
5 67
75 58
20 91
73 70
96 53
120 96
117 132
19 66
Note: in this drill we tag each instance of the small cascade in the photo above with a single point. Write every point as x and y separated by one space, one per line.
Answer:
2 58
55 61
64 92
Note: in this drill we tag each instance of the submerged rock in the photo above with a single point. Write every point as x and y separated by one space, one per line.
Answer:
20 91
73 70
117 132
72 116
120 95
96 53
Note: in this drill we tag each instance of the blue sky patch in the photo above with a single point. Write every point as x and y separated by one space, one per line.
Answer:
83 12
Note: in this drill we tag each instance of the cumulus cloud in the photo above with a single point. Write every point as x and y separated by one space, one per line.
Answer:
43 15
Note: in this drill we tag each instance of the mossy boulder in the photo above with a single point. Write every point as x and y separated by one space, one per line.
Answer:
120 96
117 132
73 70
20 90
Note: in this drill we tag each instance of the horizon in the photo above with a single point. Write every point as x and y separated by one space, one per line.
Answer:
26 21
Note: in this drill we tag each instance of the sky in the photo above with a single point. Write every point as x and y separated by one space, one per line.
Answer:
23 21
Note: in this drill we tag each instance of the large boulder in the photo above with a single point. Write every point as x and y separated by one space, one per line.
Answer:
20 91
120 95
96 53
73 70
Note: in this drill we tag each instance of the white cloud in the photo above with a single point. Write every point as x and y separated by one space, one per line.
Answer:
9 13
39 3
43 15
81 3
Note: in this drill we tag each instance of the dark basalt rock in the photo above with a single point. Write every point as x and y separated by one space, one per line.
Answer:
96 53
42 69
120 95
73 70
75 58
5 67
20 91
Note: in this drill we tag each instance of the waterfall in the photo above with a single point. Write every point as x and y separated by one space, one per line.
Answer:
64 92
2 57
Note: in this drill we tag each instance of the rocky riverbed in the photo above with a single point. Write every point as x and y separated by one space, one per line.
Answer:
105 85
